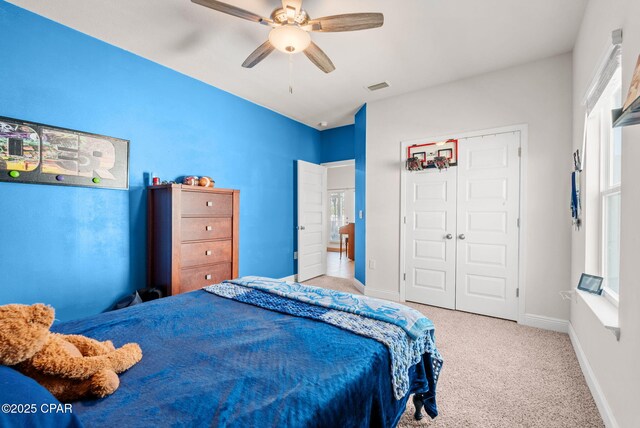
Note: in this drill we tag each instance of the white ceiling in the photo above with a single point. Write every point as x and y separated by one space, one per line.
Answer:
422 43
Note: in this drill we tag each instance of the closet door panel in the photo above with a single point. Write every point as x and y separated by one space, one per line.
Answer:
430 237
487 212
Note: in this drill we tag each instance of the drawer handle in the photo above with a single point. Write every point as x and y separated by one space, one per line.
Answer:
209 203
208 276
207 253
209 228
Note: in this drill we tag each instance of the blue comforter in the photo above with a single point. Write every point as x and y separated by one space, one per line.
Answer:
210 361
387 322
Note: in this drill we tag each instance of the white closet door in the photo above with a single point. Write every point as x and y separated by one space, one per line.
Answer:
430 237
488 211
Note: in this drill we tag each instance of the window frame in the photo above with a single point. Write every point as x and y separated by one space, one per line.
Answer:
606 189
607 291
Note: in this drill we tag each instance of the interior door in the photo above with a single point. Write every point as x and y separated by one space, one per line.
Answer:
430 232
488 210
312 220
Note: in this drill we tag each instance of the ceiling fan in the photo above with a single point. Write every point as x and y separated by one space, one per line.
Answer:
291 26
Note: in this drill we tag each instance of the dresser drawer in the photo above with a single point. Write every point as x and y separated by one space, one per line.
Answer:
206 203
198 277
200 229
203 253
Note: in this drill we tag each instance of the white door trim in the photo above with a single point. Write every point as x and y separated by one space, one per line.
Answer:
524 144
348 162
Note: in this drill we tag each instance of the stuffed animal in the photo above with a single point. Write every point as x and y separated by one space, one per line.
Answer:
71 367
206 182
191 180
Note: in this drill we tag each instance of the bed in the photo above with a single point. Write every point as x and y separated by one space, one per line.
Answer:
213 361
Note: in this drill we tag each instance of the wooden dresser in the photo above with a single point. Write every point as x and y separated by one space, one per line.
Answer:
192 237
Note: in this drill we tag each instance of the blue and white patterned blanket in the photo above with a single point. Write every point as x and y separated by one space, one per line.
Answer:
406 332
408 319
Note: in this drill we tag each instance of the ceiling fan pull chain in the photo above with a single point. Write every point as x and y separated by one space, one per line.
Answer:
291 74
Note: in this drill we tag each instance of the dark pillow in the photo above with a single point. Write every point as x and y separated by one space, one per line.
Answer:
25 403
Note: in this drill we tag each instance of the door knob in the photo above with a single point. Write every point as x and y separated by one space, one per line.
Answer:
302 228
448 236
461 236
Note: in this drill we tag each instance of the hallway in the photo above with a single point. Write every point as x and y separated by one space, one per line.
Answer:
340 267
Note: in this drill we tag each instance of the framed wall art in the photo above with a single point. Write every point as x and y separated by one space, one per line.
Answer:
42 154
634 88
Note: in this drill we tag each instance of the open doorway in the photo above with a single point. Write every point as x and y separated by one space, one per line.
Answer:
341 217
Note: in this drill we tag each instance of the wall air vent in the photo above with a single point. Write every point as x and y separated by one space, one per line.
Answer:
378 86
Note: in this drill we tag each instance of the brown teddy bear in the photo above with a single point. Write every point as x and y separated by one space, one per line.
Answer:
71 367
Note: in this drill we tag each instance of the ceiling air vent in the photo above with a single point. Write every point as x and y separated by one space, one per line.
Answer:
378 86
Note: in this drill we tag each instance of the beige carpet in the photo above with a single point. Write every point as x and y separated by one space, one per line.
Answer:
499 374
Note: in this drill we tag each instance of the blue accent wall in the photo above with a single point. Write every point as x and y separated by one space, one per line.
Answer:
338 144
81 249
360 133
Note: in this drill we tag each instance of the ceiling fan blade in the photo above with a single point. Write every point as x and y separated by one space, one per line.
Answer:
258 55
319 58
232 10
346 22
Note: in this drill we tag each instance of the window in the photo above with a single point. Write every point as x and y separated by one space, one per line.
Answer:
609 141
336 215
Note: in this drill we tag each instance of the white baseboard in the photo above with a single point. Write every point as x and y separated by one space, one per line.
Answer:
598 396
379 294
290 278
360 286
545 323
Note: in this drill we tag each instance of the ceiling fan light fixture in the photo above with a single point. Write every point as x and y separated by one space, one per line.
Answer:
289 39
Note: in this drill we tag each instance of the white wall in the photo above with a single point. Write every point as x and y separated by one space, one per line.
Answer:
341 177
350 205
614 365
537 94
